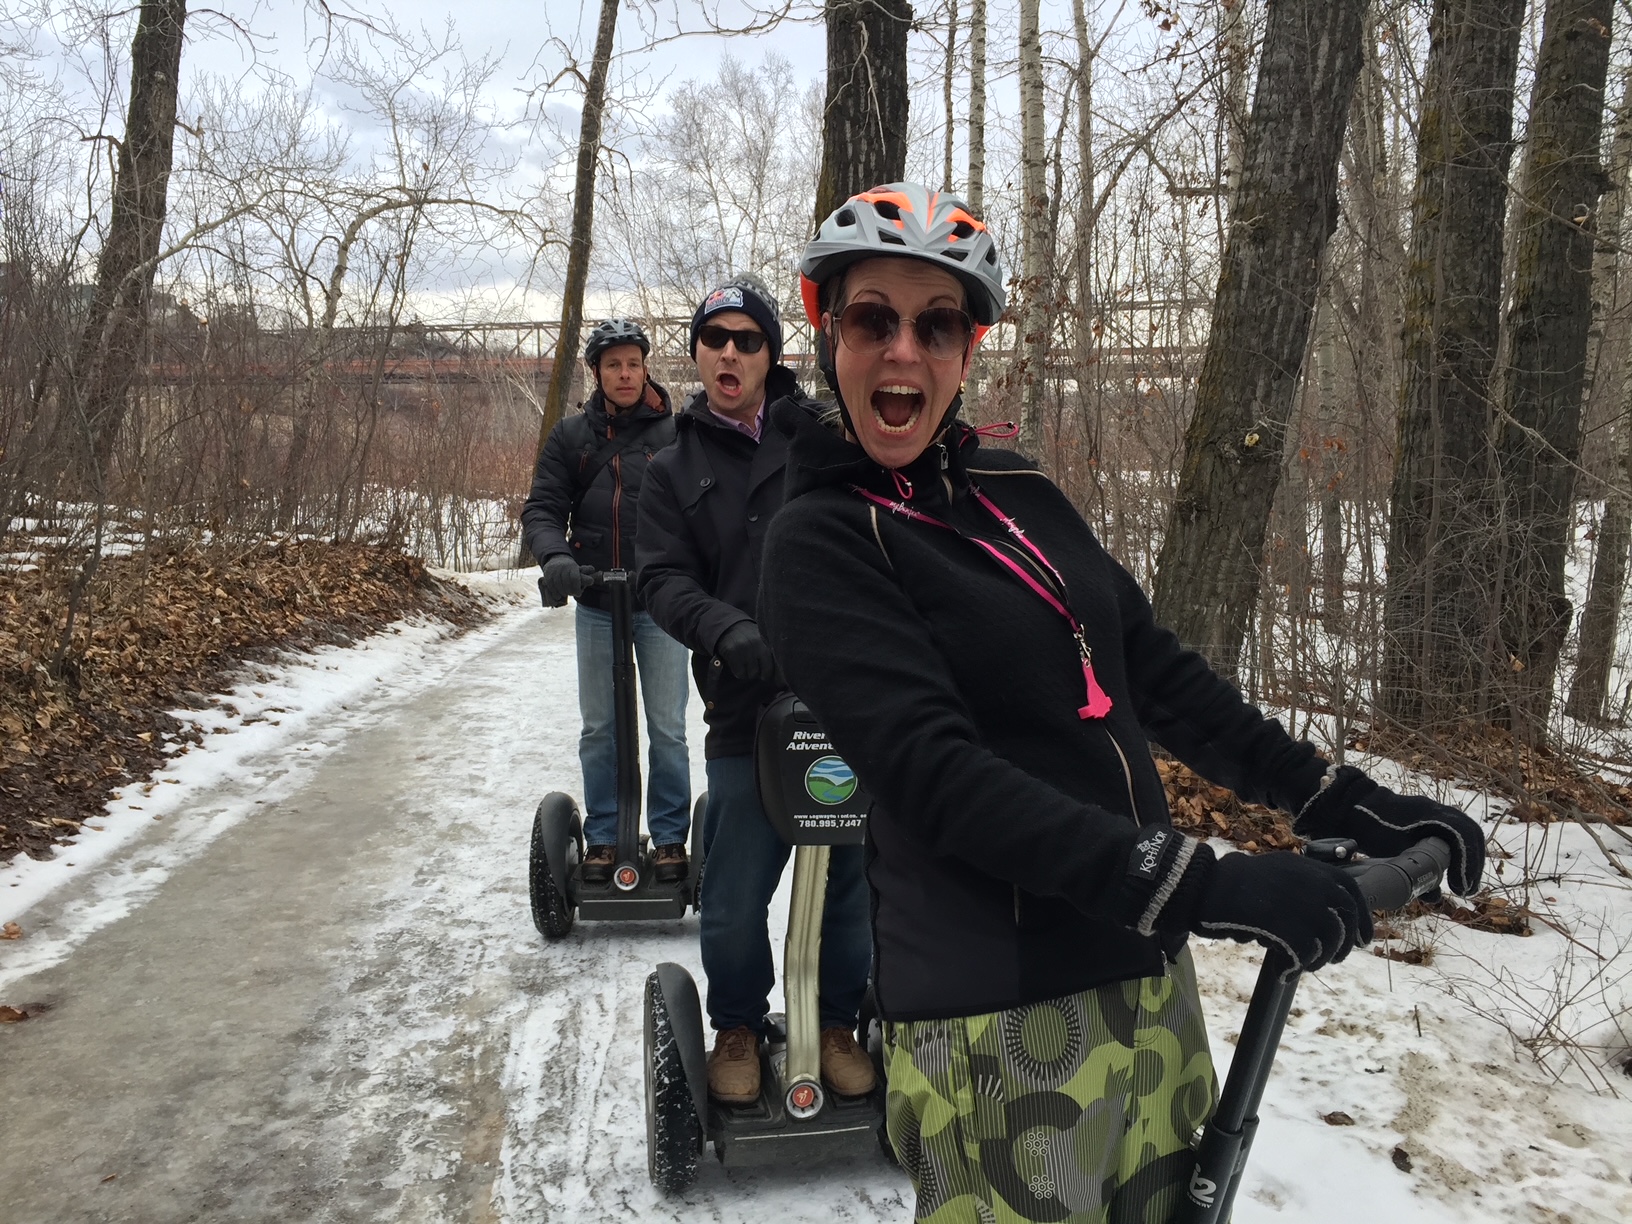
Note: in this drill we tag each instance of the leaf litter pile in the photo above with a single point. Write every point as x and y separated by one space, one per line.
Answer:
157 630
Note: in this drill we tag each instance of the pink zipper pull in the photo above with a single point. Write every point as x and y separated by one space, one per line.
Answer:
1099 701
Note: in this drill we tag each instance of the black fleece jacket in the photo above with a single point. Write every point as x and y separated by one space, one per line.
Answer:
1001 844
601 532
704 512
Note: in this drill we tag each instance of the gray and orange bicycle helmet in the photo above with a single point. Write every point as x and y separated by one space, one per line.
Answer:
907 219
610 334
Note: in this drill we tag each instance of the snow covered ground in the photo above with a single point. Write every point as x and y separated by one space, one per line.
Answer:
406 1047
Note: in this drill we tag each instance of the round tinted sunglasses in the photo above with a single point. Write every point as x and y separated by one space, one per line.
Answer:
715 337
870 327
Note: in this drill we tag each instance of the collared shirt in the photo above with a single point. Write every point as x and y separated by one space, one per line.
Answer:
753 431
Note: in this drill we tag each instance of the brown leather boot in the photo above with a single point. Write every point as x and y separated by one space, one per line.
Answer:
846 1069
598 864
669 863
733 1067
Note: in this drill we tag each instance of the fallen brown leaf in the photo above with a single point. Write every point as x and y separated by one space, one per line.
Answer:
11 931
1337 1118
12 1015
1402 1160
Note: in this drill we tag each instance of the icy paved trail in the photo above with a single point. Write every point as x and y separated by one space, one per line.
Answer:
332 1004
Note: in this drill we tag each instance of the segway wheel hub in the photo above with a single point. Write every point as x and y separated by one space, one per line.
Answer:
626 877
804 1100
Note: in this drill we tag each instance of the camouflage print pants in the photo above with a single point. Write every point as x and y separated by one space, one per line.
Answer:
1079 1109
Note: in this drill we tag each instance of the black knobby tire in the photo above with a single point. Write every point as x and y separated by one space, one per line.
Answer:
553 913
673 1131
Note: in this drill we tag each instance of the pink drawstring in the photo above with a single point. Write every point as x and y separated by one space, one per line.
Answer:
1001 429
903 486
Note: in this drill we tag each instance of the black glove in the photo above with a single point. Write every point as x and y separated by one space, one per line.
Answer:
1384 823
562 576
745 653
1312 911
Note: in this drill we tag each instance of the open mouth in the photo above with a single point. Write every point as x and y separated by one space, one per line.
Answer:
896 407
729 384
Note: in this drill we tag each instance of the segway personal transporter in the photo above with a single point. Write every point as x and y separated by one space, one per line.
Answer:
815 802
554 867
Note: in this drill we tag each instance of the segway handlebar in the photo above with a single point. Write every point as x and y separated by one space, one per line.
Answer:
592 577
1393 883
1221 1155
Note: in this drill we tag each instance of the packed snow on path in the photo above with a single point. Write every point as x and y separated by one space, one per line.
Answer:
469 1070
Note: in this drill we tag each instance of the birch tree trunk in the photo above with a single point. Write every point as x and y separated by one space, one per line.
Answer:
1538 393
1607 355
1437 606
977 107
1332 552
562 366
946 88
1084 264
1034 323
864 126
1208 572
116 328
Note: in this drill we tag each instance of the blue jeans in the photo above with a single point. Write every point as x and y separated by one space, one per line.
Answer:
660 662
745 859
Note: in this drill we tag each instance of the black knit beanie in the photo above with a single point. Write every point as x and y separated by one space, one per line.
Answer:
749 295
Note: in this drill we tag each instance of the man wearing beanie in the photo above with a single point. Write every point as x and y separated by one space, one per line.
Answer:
704 509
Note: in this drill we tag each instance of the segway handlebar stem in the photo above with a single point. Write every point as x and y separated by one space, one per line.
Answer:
1387 884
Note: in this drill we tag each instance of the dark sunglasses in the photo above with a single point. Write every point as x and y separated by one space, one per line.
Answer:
870 327
718 337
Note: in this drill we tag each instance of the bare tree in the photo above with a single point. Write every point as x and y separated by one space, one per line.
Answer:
1607 379
580 237
1439 563
735 159
1083 269
1538 392
976 190
864 127
946 87
1035 325
1208 574
114 329
1234 38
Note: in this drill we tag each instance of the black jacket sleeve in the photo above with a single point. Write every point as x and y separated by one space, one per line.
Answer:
1201 718
897 717
544 516
672 572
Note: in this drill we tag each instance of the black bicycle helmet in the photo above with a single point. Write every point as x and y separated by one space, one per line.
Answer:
912 220
610 334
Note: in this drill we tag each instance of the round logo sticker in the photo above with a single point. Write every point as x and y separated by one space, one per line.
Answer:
830 781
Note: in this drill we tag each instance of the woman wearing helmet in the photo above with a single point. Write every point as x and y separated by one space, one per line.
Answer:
993 676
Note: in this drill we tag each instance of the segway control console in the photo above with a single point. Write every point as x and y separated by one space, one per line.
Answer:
815 802
555 873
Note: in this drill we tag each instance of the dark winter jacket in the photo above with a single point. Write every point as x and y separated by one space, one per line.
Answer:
704 512
1003 823
601 531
